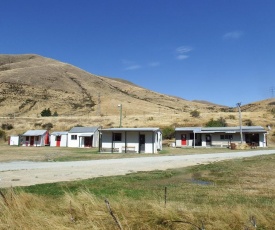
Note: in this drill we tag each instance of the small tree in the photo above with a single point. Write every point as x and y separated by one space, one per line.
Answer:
168 132
46 113
195 113
55 114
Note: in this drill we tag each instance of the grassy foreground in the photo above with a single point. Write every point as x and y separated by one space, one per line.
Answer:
223 195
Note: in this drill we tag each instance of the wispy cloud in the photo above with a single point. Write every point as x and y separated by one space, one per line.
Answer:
233 35
130 65
182 56
182 52
154 64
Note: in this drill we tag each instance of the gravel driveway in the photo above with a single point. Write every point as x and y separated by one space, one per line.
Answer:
25 173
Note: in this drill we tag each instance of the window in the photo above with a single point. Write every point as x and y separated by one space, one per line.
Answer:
37 138
73 137
226 137
27 138
117 136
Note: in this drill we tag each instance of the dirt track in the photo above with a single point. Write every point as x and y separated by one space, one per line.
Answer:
25 173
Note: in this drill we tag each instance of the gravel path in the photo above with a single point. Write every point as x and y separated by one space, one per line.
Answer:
25 173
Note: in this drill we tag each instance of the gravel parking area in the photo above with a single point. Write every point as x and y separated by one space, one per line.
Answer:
25 173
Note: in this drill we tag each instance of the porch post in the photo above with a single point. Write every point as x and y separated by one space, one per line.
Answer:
194 138
125 142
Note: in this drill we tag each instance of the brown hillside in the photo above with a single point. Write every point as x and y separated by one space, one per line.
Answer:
30 83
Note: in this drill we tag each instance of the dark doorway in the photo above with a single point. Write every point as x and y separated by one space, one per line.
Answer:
32 141
141 143
88 141
208 139
252 138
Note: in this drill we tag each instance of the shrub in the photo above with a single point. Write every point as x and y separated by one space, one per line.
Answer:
7 126
47 126
232 117
55 114
248 122
46 113
195 113
216 123
3 135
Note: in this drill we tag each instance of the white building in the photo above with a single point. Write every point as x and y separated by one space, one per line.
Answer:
14 140
126 140
220 136
59 139
83 137
35 138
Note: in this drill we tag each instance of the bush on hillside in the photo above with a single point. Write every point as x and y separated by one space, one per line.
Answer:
3 135
216 123
47 126
195 113
248 122
7 126
46 113
55 114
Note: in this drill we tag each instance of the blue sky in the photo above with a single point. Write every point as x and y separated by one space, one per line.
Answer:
222 51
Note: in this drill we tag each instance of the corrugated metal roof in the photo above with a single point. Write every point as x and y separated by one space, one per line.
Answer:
198 129
245 129
35 133
83 129
148 129
56 133
85 135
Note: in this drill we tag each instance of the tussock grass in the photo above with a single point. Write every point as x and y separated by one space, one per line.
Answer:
237 191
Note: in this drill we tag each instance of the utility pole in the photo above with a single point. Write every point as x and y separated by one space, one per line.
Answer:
120 119
240 120
98 105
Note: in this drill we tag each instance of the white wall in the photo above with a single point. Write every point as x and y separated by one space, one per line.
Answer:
63 141
73 143
132 141
14 140
79 142
262 141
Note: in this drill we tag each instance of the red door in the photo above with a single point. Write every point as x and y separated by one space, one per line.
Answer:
32 141
58 140
183 139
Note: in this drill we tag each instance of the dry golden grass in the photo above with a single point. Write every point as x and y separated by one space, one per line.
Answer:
240 189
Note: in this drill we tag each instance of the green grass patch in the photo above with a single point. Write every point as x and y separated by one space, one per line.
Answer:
227 179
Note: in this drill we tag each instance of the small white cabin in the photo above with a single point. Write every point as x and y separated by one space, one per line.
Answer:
59 139
14 140
83 137
220 136
130 140
35 138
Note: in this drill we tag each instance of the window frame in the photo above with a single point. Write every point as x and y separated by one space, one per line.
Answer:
74 137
